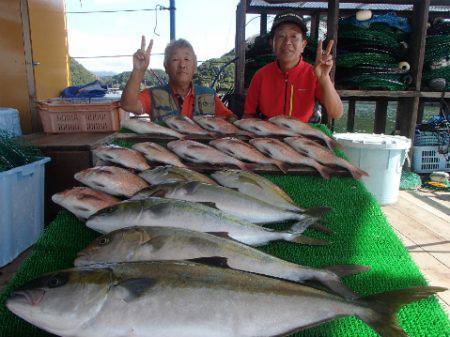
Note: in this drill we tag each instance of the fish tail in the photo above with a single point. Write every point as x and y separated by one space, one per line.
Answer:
316 211
306 240
244 166
313 222
344 270
324 171
297 230
321 228
334 145
387 304
334 283
281 165
357 173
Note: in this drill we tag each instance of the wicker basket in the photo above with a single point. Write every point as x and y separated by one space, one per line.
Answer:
65 116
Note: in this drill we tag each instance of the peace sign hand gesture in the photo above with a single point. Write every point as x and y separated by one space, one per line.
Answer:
141 58
324 60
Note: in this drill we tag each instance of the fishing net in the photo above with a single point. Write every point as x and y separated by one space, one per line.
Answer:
437 56
15 152
369 56
410 180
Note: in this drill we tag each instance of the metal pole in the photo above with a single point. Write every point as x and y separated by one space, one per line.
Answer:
172 20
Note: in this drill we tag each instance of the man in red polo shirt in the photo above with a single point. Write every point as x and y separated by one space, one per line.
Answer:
180 95
290 86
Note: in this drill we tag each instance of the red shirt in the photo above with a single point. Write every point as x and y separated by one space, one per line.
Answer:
187 108
292 94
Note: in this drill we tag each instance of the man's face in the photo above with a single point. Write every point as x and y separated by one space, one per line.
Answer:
181 65
288 43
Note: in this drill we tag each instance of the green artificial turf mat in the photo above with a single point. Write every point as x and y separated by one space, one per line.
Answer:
361 236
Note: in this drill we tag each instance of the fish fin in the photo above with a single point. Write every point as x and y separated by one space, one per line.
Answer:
387 304
213 261
334 284
324 171
224 235
208 203
134 288
343 270
306 240
80 208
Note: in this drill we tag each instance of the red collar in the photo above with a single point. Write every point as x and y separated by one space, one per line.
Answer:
291 72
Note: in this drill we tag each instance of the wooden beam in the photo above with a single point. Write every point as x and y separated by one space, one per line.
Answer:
380 116
263 24
315 24
377 93
420 112
351 115
240 54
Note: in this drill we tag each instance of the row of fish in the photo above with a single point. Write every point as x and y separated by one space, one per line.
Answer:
181 126
162 276
188 299
176 260
231 151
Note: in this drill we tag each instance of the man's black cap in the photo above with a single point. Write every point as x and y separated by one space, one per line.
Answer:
288 17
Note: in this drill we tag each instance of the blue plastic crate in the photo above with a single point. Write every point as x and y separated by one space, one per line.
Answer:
21 208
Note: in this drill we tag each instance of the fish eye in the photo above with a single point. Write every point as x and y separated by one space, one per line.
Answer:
103 241
54 282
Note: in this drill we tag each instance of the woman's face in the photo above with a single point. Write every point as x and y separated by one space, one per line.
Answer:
288 43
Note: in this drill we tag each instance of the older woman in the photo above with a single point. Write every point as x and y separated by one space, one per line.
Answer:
290 86
180 96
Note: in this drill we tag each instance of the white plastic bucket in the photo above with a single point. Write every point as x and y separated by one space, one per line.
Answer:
381 156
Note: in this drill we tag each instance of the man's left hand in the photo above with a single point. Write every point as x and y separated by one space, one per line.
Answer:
324 60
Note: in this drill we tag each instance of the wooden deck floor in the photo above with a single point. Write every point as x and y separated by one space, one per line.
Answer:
421 219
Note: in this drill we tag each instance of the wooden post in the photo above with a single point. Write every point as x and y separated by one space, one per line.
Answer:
332 34
238 105
332 28
420 112
315 24
263 24
416 57
351 115
380 116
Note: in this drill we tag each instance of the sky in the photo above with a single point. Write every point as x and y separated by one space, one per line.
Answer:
208 24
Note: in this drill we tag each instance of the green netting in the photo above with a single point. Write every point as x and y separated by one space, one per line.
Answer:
361 236
15 152
349 60
437 73
372 82
376 35
410 181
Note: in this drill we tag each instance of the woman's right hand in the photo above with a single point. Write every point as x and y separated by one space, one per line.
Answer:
141 58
